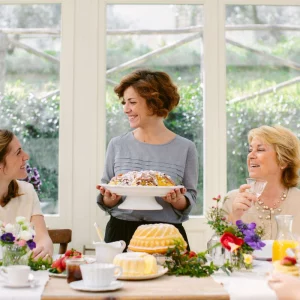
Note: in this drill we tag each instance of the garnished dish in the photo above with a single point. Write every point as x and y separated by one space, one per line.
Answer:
58 267
141 187
286 266
138 266
142 178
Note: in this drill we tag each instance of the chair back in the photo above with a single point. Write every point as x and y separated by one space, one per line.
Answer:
61 237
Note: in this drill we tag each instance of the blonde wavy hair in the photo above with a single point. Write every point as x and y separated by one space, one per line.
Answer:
287 148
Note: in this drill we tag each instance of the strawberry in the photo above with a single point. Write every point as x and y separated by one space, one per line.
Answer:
63 263
192 254
58 265
288 261
76 253
68 253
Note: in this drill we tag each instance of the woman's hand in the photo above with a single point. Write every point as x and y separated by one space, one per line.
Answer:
109 199
44 246
40 252
177 199
285 286
242 202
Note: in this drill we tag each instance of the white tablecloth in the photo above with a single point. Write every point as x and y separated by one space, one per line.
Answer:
27 293
248 285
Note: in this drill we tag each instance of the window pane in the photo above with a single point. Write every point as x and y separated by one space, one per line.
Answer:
262 76
29 86
182 62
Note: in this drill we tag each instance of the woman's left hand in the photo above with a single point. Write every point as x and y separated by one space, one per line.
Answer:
176 198
40 251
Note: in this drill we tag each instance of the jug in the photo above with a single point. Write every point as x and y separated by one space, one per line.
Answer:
284 238
106 252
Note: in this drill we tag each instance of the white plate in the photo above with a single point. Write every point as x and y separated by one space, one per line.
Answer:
160 272
140 197
79 285
265 253
60 275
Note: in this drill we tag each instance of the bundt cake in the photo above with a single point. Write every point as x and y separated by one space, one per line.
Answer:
155 238
142 178
286 266
136 263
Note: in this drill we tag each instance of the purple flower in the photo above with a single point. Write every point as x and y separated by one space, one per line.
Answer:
33 177
31 244
7 237
254 241
245 228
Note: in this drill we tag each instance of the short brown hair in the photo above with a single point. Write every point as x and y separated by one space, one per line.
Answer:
287 148
156 87
6 137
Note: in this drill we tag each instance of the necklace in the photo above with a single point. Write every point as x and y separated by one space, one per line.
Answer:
265 209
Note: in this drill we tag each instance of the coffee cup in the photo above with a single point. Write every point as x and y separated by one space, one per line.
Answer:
99 274
16 274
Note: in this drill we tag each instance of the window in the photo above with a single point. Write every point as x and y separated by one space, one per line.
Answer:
263 83
30 88
173 44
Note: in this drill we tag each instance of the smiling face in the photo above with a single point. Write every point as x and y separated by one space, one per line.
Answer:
15 166
262 161
136 109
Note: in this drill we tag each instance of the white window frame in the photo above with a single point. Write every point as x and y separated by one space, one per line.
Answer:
82 143
64 216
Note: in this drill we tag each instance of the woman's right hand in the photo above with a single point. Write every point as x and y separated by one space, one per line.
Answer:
109 199
242 202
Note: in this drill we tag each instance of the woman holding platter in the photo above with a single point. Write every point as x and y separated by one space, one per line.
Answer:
147 98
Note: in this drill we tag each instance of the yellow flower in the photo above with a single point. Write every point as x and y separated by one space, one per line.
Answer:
247 259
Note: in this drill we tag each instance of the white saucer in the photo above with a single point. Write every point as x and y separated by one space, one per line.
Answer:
160 272
79 285
11 285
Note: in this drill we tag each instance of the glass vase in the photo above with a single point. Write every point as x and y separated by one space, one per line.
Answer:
14 255
216 251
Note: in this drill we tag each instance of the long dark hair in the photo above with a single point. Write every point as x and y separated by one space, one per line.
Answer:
6 137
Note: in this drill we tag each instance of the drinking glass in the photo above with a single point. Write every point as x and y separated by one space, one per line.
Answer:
257 186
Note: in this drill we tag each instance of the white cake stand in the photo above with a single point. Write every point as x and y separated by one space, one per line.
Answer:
140 197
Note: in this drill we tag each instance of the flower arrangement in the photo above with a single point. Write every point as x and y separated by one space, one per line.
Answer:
240 239
16 240
189 263
33 177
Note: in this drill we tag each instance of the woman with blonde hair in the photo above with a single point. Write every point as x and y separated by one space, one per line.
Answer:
18 198
274 156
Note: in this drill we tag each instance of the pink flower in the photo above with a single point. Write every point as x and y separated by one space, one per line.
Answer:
218 198
21 243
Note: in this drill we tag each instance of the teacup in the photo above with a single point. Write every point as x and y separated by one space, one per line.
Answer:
106 252
16 275
99 274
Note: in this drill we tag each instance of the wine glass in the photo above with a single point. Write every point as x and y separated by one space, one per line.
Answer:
256 186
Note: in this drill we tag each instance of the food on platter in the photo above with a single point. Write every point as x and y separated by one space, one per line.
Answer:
286 266
142 178
136 263
59 265
155 238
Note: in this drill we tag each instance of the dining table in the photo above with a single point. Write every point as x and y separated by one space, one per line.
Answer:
239 285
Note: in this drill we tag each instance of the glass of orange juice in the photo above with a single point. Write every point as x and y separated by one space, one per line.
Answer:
280 247
284 238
